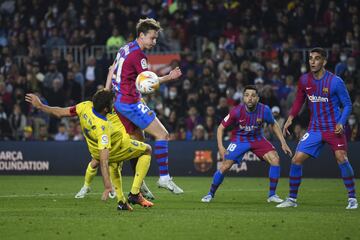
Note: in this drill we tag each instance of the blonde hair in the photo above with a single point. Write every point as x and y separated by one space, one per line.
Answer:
147 24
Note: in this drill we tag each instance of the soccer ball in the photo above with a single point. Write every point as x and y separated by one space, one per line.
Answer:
147 82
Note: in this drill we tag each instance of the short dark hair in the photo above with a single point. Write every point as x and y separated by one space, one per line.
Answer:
319 50
102 98
251 87
147 24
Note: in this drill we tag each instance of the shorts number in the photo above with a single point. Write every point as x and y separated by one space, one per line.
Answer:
143 108
231 147
306 135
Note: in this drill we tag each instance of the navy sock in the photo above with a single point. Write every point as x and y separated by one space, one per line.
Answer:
295 179
347 174
217 180
274 174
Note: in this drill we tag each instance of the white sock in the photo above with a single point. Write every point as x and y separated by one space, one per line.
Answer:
165 177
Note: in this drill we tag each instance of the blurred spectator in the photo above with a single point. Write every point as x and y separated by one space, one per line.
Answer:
276 113
61 134
28 134
17 122
115 41
352 129
5 129
44 134
199 133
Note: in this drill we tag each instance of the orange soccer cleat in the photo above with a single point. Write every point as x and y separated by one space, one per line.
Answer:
139 199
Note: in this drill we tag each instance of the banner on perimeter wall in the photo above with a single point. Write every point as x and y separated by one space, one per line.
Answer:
186 158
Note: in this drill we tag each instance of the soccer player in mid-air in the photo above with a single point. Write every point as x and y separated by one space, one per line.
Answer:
108 144
132 111
325 94
248 120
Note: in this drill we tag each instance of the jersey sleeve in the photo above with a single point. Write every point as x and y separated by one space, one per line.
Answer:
299 100
345 100
230 119
139 61
103 135
78 108
268 116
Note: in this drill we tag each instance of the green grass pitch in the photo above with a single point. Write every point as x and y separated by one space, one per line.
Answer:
43 207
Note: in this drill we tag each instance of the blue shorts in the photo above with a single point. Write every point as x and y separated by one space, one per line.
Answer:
312 142
237 150
134 115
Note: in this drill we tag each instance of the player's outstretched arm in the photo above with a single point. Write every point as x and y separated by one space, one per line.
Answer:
279 135
104 165
56 111
174 74
219 136
109 77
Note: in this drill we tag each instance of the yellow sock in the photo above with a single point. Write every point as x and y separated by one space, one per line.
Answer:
89 175
115 176
142 168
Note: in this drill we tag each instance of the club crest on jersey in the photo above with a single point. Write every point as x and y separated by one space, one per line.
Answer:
258 121
325 90
203 160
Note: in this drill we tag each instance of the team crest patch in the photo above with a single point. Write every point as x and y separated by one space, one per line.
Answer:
258 120
104 139
203 160
143 63
325 90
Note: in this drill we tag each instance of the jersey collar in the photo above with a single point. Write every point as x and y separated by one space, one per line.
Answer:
99 115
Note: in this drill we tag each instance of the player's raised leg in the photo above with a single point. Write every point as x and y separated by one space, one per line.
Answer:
91 172
161 135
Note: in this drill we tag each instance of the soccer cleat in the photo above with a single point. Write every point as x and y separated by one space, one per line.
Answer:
124 206
353 203
289 202
207 198
83 191
275 198
169 185
139 199
145 191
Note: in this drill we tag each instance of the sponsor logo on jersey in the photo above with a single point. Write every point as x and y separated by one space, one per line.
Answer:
248 128
315 99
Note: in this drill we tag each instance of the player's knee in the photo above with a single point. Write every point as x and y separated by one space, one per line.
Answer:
94 163
226 165
341 157
275 161
148 149
296 160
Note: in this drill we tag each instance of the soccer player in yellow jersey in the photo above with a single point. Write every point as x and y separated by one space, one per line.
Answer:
108 143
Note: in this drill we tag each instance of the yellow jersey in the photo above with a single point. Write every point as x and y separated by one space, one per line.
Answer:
101 131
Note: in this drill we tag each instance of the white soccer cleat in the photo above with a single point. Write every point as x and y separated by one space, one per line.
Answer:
83 191
207 198
169 185
275 198
289 202
353 203
145 191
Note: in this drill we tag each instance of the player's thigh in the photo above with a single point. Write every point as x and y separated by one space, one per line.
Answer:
129 149
157 129
265 150
236 150
310 144
138 113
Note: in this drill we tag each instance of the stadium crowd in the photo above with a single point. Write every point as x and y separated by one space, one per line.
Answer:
224 45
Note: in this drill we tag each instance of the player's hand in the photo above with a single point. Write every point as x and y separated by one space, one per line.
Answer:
339 129
33 100
106 193
286 126
222 152
286 149
175 73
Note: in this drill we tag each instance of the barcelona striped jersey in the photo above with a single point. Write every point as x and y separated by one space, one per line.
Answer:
129 63
325 97
248 126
